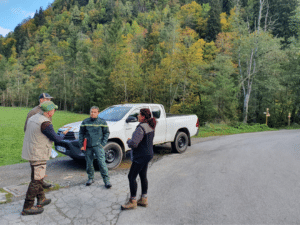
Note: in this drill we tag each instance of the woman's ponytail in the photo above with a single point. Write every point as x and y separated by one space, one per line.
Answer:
152 122
148 119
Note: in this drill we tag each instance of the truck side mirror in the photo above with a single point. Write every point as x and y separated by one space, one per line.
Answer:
131 119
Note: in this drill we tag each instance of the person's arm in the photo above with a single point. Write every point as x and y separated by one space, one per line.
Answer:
137 137
26 122
82 131
105 132
48 131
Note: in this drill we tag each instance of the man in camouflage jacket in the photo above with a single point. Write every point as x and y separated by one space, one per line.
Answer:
96 131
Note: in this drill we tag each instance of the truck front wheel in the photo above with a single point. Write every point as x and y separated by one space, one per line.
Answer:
180 143
113 155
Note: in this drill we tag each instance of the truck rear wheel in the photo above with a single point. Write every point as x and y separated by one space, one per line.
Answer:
113 155
180 143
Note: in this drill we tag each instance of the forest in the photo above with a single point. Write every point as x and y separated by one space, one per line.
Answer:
224 60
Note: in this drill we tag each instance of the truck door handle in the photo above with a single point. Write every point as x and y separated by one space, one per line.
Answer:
128 128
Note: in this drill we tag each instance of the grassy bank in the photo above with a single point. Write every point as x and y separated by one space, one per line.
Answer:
211 129
12 121
7 195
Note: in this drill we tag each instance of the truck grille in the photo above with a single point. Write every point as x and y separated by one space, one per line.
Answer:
69 136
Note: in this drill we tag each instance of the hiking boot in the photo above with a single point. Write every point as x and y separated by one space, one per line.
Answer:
46 185
108 185
131 204
143 202
43 202
89 182
32 211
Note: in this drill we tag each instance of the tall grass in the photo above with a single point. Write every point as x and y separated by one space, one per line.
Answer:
12 121
211 129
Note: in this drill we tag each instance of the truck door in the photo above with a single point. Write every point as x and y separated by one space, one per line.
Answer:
130 127
161 127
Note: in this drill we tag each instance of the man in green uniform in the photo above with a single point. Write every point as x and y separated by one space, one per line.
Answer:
96 131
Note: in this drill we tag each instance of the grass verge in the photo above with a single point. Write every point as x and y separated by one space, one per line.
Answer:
12 121
54 188
211 129
7 195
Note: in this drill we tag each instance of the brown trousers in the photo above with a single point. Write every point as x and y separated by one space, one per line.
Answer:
35 188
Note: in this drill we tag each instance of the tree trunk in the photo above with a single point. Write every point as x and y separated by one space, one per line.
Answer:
246 105
171 103
125 92
251 70
184 82
261 4
65 93
27 99
266 17
3 99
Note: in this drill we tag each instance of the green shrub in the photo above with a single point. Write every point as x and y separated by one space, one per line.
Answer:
292 126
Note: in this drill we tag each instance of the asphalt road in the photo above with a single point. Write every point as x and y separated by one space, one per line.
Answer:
67 173
238 179
64 170
76 203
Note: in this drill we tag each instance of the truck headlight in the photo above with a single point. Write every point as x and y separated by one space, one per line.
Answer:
76 135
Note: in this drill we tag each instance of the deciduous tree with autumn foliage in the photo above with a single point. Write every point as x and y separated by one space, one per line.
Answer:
222 60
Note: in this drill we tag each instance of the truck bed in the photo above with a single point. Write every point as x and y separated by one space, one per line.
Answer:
175 115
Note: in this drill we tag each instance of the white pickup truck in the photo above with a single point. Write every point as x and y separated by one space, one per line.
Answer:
122 121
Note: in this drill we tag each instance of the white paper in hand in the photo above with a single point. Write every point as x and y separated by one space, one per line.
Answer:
53 153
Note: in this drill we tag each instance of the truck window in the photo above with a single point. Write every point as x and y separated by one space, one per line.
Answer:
114 113
135 113
156 112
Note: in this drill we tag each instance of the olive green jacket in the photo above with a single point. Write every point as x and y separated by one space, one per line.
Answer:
95 131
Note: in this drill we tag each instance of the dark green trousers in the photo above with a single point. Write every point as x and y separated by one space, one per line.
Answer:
96 153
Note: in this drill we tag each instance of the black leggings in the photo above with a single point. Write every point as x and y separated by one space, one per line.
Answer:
138 169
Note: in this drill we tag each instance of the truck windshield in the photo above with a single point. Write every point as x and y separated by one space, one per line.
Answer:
114 113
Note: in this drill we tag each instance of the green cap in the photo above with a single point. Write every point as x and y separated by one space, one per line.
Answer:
48 106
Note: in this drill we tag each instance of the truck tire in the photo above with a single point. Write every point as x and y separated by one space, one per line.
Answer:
113 155
180 143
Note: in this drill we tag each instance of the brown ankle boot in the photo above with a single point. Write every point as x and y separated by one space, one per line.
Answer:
143 202
131 204
42 203
32 211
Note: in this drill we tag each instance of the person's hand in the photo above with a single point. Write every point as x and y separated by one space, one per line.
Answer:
82 149
66 131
